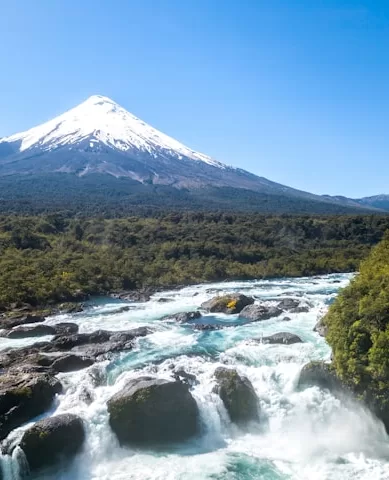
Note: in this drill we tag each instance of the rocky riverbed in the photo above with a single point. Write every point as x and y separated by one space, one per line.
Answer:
203 382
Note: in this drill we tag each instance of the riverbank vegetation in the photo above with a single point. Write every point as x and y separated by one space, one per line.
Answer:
53 258
358 331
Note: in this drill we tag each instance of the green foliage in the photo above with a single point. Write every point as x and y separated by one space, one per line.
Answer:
55 258
358 327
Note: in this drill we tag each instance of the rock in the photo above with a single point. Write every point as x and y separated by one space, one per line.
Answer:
164 300
33 331
23 397
230 304
52 440
98 343
300 309
183 317
321 328
11 322
256 313
288 304
182 376
238 396
284 338
71 307
71 363
141 295
151 411
320 374
286 319
207 327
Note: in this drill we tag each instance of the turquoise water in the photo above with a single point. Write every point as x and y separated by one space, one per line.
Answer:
302 435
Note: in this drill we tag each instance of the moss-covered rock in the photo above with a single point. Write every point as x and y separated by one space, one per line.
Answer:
238 396
23 397
150 411
230 304
52 440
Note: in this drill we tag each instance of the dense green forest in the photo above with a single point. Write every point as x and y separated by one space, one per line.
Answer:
50 258
358 331
105 195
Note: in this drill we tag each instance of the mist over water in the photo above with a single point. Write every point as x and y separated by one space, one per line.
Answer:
302 435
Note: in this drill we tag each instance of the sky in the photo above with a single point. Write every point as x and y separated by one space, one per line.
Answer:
296 91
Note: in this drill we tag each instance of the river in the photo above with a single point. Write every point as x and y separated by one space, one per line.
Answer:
302 435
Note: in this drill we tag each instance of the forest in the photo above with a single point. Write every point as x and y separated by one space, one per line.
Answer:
49 258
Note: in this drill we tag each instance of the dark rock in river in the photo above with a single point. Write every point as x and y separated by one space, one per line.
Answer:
71 363
182 376
164 300
321 328
141 295
230 304
320 374
70 307
300 309
52 440
150 411
256 313
183 317
23 397
11 322
238 396
288 304
33 331
207 327
284 338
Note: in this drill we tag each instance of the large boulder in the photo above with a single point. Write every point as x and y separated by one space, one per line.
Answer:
65 328
283 338
238 396
230 304
70 307
183 317
52 440
23 397
257 313
150 411
322 375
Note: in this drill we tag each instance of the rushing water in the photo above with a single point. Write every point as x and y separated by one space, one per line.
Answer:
302 435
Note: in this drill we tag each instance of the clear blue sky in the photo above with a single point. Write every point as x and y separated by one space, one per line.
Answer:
296 91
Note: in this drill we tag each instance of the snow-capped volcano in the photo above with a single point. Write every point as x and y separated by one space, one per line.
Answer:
100 120
100 136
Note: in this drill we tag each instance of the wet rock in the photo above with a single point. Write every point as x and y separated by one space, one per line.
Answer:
183 317
11 322
207 327
141 295
164 300
257 313
52 440
300 309
33 331
71 363
238 396
151 411
23 397
98 376
182 376
288 304
320 374
286 319
321 328
230 304
284 338
124 309
70 307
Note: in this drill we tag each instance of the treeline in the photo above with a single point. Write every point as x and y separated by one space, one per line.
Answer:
53 258
358 332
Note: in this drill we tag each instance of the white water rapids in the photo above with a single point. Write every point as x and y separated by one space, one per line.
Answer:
302 435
